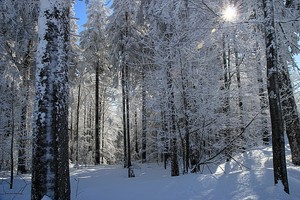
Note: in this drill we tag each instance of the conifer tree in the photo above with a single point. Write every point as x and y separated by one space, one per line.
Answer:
50 173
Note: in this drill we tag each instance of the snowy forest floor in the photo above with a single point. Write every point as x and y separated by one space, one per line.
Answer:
251 179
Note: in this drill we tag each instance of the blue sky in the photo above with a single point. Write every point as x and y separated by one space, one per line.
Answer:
80 12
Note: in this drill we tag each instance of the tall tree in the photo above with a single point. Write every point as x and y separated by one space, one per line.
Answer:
279 160
17 49
122 30
94 44
288 47
50 173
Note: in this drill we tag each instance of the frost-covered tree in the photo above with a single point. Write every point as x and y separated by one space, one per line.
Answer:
17 49
94 44
287 29
50 172
122 37
279 160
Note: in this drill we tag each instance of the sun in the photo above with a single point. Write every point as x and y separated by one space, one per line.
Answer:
229 14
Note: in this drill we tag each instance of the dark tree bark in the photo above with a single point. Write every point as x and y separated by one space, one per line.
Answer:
130 172
279 160
136 147
77 125
71 136
290 114
165 139
289 106
171 107
186 106
26 86
226 78
12 135
263 100
97 118
144 118
124 116
102 124
50 172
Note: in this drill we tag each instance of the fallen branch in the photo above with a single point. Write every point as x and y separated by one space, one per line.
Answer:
222 150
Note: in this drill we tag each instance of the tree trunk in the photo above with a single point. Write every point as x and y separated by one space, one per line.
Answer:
136 133
171 106
97 117
22 141
290 115
124 117
144 118
242 140
50 172
12 135
127 119
165 139
90 125
263 102
71 137
102 125
186 121
226 98
279 161
77 126
289 106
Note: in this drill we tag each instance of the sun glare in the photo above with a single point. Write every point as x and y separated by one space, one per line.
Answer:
230 13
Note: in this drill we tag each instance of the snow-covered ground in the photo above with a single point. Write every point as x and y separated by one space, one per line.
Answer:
251 179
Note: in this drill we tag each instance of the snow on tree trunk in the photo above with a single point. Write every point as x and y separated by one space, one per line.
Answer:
290 115
172 129
124 118
279 161
263 100
97 117
144 118
289 106
50 173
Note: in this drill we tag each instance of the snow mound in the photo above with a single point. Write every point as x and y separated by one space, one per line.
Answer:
46 198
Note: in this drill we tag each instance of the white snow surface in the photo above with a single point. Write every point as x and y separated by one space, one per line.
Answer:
250 179
46 198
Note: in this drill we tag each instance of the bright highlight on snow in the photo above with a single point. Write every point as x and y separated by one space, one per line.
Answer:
229 14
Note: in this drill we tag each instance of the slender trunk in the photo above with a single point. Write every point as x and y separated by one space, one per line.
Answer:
226 98
165 138
186 121
289 106
77 125
290 115
136 133
171 106
124 117
90 124
97 117
237 64
279 161
102 126
12 137
71 141
127 117
85 118
263 102
240 95
22 141
144 118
